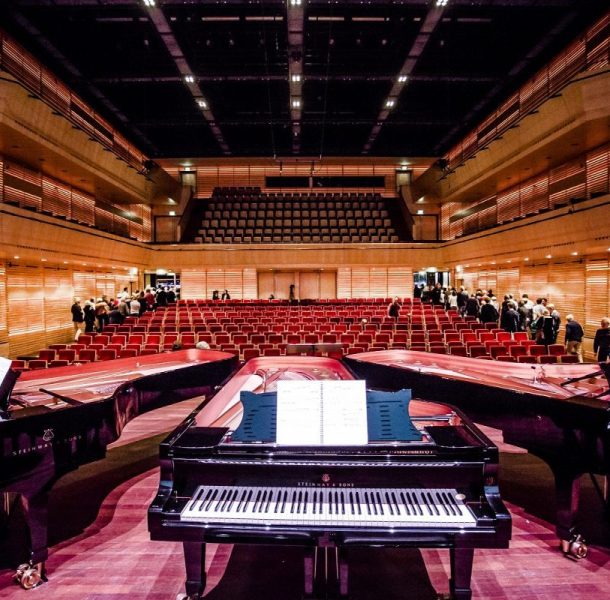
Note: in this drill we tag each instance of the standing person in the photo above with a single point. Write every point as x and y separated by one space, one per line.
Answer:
435 294
511 318
574 335
150 299
488 313
556 320
544 329
472 306
89 311
171 295
78 318
462 298
134 307
601 342
291 293
161 297
417 291
394 308
452 301
101 314
143 303
215 295
225 295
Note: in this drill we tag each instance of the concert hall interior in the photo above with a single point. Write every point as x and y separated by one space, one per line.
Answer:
203 199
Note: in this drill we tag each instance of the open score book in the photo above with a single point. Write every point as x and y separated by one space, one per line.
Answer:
321 413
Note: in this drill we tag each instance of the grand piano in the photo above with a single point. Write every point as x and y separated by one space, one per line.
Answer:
222 481
560 413
54 420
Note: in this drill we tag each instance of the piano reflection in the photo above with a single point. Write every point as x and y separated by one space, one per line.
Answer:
560 413
224 479
56 419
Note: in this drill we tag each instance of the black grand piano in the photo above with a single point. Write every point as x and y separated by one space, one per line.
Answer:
54 420
560 413
225 479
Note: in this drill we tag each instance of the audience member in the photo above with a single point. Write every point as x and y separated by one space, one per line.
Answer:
225 295
601 342
574 335
511 318
394 308
89 311
488 313
78 318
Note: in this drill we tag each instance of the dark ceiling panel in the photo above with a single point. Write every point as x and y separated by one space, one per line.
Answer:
111 52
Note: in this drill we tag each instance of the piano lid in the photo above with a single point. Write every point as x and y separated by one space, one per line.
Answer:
90 382
260 375
8 377
551 380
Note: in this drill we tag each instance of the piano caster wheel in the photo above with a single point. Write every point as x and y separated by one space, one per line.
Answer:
575 548
29 576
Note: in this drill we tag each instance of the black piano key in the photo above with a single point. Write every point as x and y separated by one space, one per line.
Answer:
315 502
211 499
257 500
321 502
232 500
389 503
447 504
221 499
284 500
432 504
396 503
270 495
342 502
292 499
263 501
247 500
380 503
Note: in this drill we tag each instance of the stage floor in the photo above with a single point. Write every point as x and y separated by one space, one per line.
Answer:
109 556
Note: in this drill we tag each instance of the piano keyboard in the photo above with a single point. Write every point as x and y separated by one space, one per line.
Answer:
383 507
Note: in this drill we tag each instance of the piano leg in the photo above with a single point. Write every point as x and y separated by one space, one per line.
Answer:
461 571
194 561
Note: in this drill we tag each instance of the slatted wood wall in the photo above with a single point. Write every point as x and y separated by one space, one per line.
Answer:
579 287
374 282
35 303
200 283
586 176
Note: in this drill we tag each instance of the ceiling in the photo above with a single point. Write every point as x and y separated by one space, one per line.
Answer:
188 78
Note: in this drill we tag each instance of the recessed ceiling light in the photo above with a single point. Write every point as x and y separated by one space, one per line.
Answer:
549 256
390 102
189 79
150 3
574 253
202 103
296 103
17 257
294 2
420 212
43 260
526 258
295 77
172 213
402 78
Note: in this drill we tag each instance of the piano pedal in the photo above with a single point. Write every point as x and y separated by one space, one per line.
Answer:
575 548
29 576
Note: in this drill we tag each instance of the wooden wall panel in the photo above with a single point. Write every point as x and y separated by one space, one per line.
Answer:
596 293
566 290
249 284
266 285
328 284
309 284
378 283
193 284
25 297
400 282
507 282
215 280
282 282
344 282
58 293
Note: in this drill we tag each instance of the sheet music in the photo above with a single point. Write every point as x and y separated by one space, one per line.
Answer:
328 413
5 365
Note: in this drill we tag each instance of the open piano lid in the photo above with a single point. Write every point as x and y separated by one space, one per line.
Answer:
8 378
